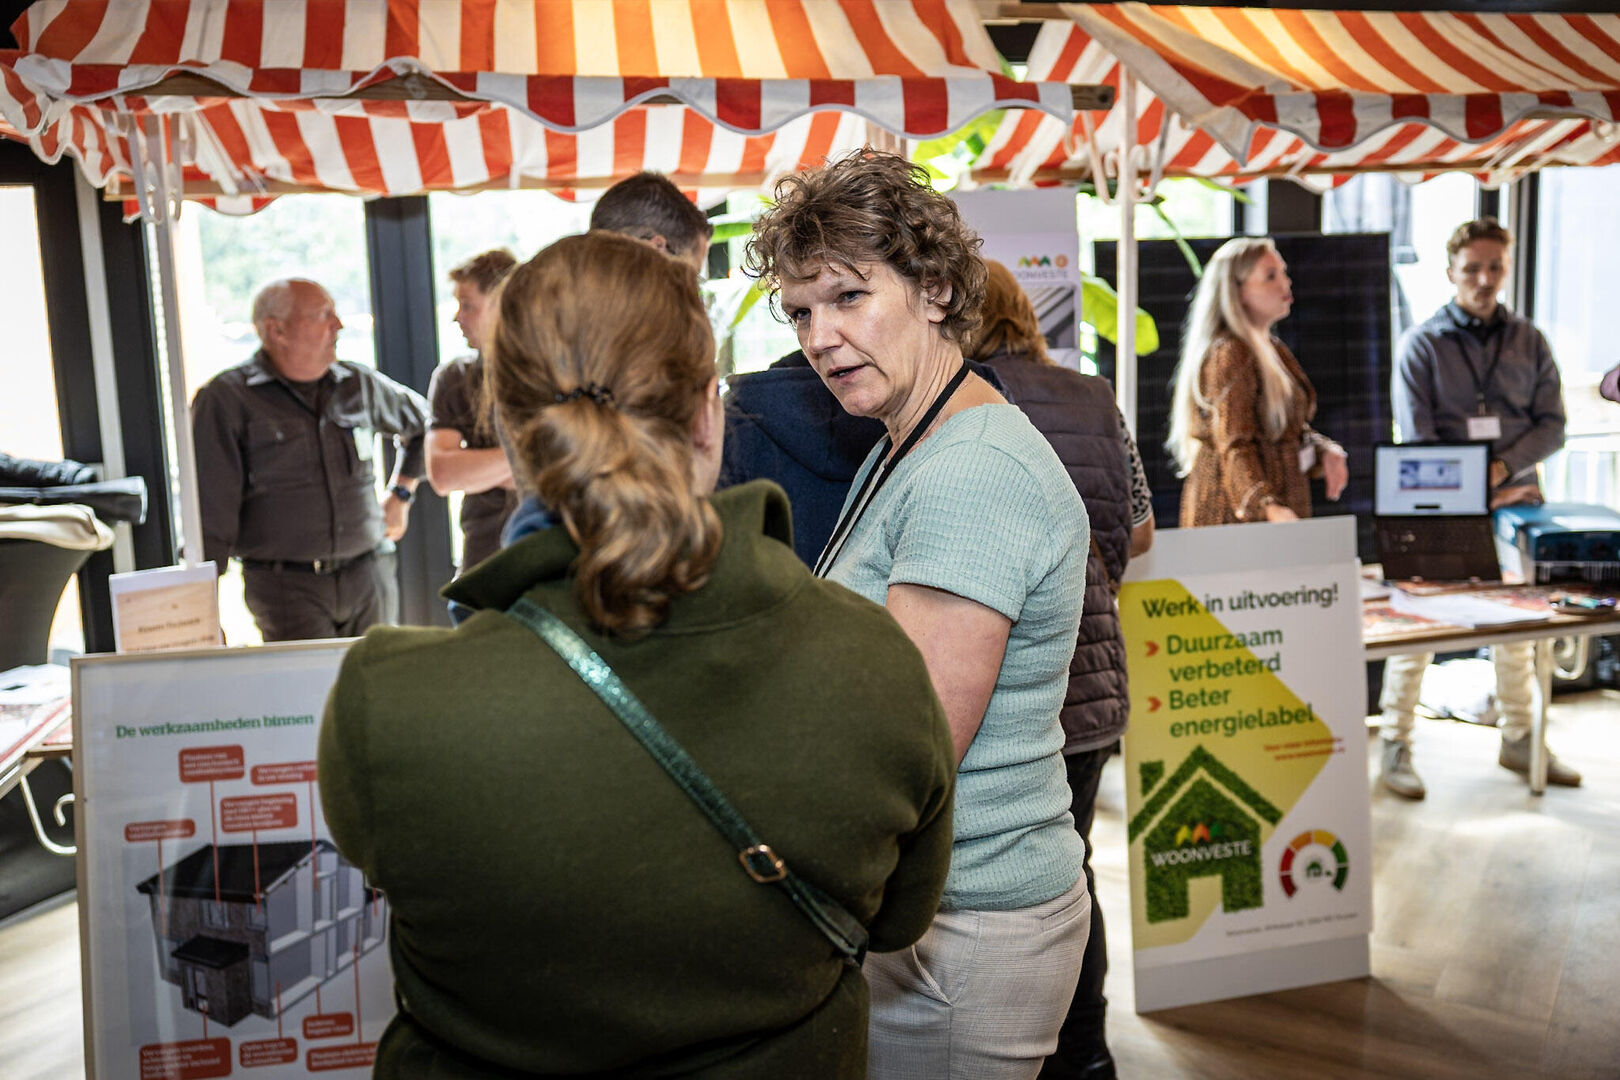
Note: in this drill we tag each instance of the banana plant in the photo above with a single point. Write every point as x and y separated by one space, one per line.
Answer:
1099 309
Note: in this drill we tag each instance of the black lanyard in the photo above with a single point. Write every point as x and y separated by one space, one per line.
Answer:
1483 381
881 473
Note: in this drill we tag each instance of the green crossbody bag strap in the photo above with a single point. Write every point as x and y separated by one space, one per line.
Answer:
761 863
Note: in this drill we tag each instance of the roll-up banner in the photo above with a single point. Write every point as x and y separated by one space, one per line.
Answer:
1248 816
1036 235
221 932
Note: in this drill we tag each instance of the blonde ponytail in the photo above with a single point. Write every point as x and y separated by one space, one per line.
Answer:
598 366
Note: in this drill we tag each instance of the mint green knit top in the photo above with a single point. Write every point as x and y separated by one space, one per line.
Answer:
984 509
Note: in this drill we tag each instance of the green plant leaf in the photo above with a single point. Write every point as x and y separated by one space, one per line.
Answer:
1181 242
949 156
1099 308
730 230
755 293
1226 189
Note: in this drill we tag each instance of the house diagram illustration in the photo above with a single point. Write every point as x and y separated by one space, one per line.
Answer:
1203 821
254 928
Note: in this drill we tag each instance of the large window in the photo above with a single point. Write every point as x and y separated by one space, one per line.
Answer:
1577 263
760 338
28 415
223 261
1577 260
1192 208
522 222
1418 218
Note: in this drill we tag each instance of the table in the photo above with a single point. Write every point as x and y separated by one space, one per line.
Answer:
1386 633
31 734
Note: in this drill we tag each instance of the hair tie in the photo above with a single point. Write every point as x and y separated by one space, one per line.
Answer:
595 391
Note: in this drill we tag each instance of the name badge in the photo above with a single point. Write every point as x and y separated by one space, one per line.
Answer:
1485 427
365 441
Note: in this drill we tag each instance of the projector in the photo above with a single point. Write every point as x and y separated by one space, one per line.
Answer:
1559 543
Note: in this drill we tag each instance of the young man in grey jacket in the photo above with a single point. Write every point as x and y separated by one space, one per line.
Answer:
1476 371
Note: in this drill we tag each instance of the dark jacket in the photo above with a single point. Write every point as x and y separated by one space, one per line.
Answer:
27 472
559 905
1078 416
783 424
1442 368
281 478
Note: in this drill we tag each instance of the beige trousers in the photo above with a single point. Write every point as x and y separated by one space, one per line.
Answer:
1515 690
981 996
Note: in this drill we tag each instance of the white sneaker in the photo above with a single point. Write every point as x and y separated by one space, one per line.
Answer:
1397 773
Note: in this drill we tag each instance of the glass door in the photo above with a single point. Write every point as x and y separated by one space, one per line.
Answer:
29 419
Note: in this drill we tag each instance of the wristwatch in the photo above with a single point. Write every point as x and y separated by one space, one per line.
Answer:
402 493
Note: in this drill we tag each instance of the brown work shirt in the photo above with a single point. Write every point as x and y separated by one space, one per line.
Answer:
285 470
1239 468
455 397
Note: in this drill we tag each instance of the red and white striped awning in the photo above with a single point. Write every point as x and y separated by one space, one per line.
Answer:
394 97
1320 95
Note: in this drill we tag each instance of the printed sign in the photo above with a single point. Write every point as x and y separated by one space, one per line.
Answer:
1246 785
174 607
1036 235
222 933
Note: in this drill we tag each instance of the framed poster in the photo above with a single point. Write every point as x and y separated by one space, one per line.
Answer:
1248 815
221 932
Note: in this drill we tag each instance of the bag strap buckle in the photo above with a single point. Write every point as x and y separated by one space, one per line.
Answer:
762 864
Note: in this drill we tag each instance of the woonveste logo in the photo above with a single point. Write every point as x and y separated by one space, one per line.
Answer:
1203 820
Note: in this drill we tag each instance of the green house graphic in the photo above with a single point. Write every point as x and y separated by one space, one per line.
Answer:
1202 821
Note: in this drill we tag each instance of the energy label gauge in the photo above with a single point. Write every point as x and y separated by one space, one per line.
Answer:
1320 856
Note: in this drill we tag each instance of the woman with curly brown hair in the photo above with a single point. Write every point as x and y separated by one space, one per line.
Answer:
964 525
562 905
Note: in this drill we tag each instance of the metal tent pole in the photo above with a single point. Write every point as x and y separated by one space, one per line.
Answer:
162 210
1125 254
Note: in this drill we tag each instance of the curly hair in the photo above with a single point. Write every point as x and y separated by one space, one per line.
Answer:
597 367
872 207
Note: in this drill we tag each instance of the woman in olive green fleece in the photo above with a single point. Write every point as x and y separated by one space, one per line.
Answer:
559 905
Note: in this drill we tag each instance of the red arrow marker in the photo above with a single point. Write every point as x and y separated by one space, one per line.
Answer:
1153 704
1153 647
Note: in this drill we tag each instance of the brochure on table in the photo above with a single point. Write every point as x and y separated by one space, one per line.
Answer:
1249 823
221 931
1036 235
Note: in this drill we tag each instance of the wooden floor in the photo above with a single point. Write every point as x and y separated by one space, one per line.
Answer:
1496 949
1496 937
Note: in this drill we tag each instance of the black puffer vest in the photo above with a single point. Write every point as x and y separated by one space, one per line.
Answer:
1078 416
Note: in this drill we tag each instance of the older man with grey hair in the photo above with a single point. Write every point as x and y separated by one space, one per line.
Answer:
286 474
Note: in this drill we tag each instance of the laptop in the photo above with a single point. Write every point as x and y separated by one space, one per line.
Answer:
1431 514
